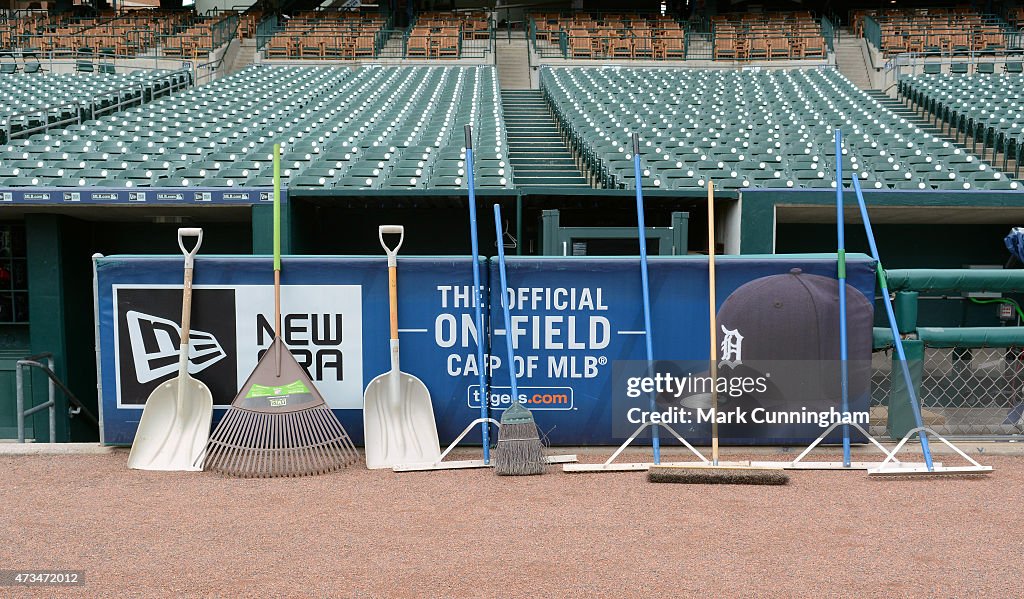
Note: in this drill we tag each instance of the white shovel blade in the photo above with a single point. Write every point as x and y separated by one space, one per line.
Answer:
398 422
168 439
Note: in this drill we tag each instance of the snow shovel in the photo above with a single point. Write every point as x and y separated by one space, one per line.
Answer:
398 419
175 423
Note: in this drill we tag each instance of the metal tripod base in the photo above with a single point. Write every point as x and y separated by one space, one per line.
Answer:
440 464
893 467
610 466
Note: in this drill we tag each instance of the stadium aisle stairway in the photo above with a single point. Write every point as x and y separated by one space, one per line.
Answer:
536 149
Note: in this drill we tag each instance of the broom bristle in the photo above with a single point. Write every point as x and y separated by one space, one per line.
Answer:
253 444
717 476
519 451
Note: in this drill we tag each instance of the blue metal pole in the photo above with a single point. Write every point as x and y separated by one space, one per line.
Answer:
485 433
504 304
896 339
844 375
655 439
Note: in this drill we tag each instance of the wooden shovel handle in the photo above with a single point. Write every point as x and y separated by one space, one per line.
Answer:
393 299
186 299
392 271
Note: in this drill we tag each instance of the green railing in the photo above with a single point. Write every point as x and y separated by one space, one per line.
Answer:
988 33
185 42
267 29
872 31
687 43
224 30
829 32
325 44
658 45
439 46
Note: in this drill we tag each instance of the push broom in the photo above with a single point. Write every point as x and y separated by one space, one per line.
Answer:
716 472
519 451
891 466
278 424
846 464
485 421
609 465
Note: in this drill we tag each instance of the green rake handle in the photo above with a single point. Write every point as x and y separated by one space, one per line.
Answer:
277 251
277 206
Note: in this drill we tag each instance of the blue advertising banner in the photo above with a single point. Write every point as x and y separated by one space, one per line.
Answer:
161 196
572 319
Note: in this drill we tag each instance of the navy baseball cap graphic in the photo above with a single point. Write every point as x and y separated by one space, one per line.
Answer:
789 324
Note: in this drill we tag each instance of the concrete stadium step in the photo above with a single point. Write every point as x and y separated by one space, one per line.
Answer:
548 181
537 155
512 58
850 59
532 143
545 161
536 141
913 116
536 149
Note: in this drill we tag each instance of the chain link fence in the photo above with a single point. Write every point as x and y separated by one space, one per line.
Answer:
964 392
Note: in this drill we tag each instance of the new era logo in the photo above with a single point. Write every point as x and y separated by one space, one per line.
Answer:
155 346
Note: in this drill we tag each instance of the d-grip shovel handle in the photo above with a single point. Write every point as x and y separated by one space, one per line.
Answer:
392 271
186 300
190 232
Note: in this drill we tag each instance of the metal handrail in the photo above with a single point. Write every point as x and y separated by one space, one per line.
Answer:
53 383
212 66
141 86
45 112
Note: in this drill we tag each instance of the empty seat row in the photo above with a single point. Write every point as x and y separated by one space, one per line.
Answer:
30 100
749 129
368 128
987 109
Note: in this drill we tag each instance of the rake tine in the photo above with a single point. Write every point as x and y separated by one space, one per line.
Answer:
331 447
214 450
348 448
289 456
238 454
302 431
249 457
228 452
317 462
280 452
296 456
226 432
278 446
339 444
323 461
